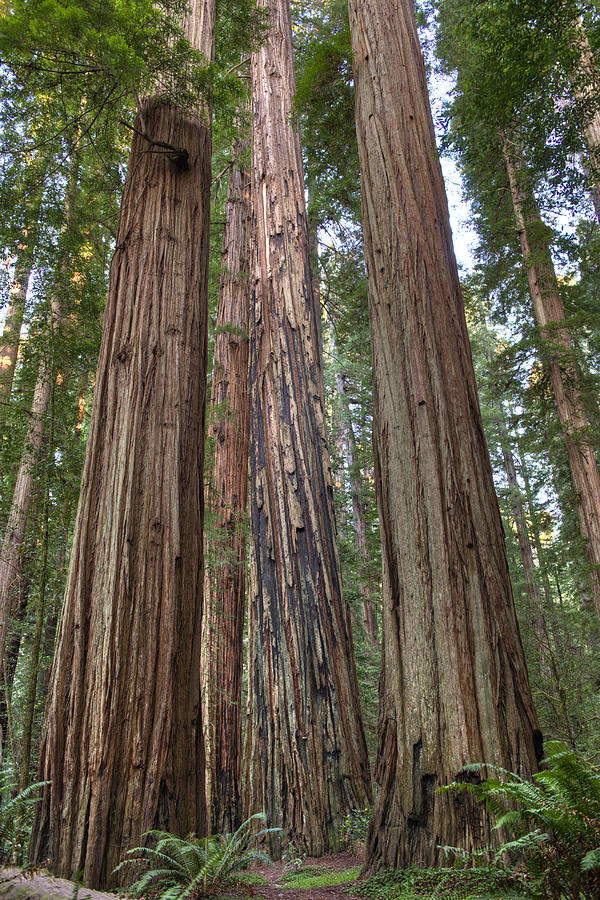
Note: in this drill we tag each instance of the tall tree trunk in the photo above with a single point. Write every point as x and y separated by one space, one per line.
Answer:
9 342
10 553
225 574
454 684
558 352
369 615
36 644
11 656
306 756
122 741
538 623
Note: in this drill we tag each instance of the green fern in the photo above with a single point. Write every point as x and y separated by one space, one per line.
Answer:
16 817
554 820
181 868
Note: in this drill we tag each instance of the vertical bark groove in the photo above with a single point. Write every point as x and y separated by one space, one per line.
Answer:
454 683
306 758
122 739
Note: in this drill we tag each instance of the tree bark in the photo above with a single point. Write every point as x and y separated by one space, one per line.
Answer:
122 739
558 357
9 343
454 686
36 643
369 615
306 757
14 535
227 495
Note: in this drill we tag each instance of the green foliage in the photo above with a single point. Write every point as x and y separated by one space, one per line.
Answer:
292 857
354 827
553 820
453 884
193 867
318 876
16 818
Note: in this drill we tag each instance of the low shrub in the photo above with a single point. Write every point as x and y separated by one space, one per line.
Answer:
554 820
446 884
353 829
181 868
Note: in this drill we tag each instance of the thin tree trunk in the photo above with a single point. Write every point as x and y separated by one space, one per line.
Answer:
10 553
550 317
306 756
369 615
9 342
454 686
535 529
36 644
550 675
227 495
11 656
122 742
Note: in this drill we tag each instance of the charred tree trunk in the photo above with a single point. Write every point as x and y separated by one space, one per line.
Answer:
306 757
122 741
369 614
454 684
559 359
225 576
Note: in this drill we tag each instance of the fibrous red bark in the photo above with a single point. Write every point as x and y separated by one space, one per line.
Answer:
306 758
454 684
122 741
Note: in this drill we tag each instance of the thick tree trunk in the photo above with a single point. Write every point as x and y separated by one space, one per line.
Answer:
122 738
558 352
306 757
454 682
225 576
9 342
369 614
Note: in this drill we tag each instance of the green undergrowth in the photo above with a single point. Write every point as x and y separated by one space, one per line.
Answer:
318 876
450 884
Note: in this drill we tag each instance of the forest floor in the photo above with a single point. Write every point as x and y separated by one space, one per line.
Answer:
269 883
311 881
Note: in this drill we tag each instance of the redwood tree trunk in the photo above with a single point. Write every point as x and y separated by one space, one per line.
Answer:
454 684
122 741
558 356
9 342
306 757
225 576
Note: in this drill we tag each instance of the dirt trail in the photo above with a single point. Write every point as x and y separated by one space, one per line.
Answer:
338 863
22 885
